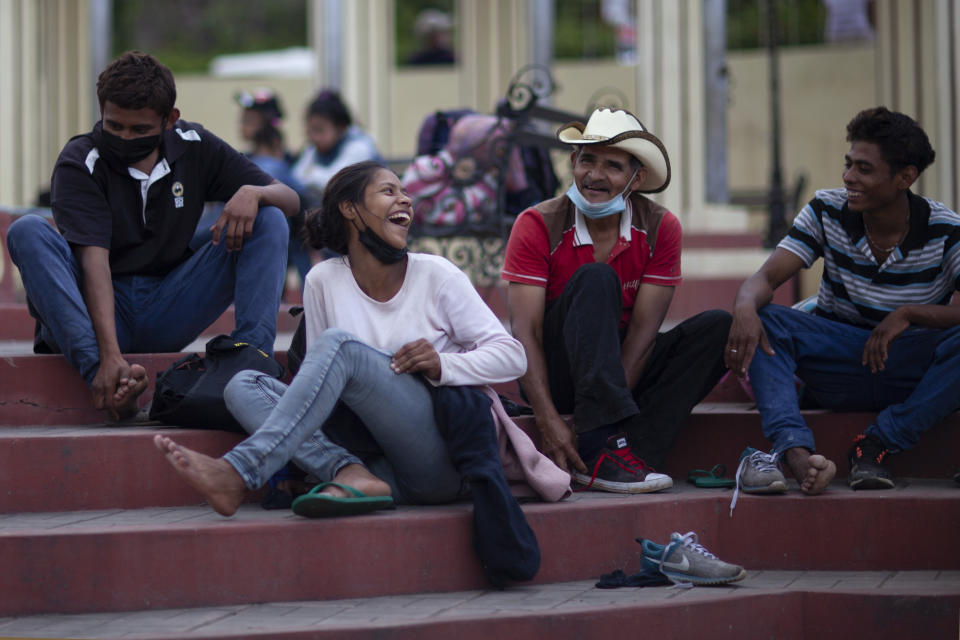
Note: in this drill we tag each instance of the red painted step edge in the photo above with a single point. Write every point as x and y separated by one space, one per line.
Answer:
258 557
716 614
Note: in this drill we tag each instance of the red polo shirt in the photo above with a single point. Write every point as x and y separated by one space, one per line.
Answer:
531 260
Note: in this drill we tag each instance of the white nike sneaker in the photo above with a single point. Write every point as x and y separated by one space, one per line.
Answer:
683 560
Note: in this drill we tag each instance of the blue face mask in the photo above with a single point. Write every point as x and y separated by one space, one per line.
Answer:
594 210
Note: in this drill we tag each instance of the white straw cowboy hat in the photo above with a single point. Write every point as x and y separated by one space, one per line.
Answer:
622 129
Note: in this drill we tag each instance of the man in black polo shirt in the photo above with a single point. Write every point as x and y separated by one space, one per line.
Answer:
883 335
126 198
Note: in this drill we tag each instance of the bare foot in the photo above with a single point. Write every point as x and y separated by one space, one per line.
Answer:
128 391
358 477
214 478
812 471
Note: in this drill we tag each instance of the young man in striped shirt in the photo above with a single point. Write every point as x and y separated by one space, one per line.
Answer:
883 336
591 277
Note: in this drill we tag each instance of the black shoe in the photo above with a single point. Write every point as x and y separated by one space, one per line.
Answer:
616 469
866 464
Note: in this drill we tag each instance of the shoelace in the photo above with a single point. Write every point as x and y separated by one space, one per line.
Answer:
626 456
860 438
687 541
763 462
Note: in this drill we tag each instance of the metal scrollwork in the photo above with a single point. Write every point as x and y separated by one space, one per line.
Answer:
529 84
609 97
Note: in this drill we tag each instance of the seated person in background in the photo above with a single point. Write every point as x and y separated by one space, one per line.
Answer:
335 143
434 31
591 276
460 184
260 123
126 198
883 336
385 328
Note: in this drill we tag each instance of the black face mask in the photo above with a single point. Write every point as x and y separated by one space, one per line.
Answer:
127 152
380 248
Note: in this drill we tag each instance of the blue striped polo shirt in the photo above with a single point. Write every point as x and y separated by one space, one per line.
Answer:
924 269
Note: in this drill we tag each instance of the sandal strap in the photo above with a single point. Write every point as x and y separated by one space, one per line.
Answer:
323 485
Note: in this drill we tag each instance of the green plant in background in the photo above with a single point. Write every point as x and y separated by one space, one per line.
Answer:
801 22
186 34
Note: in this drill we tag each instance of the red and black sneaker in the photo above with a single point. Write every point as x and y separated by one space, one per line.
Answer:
866 464
617 470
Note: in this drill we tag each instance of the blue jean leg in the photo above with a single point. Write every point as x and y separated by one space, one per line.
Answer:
172 311
51 277
827 356
936 393
397 410
153 313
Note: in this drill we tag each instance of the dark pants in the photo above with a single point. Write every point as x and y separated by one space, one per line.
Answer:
581 342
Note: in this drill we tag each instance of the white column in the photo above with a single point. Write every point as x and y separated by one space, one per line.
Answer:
671 101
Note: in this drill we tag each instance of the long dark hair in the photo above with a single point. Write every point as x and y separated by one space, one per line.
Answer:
325 226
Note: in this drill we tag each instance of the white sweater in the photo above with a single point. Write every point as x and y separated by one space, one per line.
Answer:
436 302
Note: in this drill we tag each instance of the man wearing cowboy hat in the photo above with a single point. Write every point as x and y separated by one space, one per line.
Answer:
591 276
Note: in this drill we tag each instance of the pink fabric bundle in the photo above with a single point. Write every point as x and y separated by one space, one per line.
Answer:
459 184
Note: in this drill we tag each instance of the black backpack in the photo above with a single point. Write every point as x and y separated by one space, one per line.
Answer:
190 392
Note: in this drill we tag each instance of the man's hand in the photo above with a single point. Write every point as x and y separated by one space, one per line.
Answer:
875 351
417 357
112 371
559 443
746 332
236 220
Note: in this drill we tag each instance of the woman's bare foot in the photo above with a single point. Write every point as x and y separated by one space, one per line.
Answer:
128 391
812 471
214 478
358 477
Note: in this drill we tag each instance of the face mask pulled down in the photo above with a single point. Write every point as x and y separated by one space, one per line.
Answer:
593 210
380 248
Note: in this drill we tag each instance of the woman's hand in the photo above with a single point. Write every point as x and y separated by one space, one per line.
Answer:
418 356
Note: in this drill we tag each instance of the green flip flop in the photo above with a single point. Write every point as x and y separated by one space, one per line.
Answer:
712 479
321 505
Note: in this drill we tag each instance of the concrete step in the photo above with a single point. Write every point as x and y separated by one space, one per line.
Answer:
46 390
788 605
129 560
44 468
17 324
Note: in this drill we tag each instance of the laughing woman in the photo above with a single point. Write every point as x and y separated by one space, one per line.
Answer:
385 328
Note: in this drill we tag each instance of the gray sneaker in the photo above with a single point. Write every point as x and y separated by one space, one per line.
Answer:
758 473
683 560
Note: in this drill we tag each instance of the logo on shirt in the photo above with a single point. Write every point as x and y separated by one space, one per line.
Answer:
177 190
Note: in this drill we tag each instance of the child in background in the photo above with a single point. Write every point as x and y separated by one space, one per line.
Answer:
335 143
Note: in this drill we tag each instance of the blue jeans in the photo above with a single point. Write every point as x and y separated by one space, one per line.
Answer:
154 313
286 423
919 386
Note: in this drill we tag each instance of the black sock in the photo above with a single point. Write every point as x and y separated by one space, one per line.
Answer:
589 443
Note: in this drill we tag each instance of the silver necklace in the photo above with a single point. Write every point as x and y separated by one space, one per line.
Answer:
873 243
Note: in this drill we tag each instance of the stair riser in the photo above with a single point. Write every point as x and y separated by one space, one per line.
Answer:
46 390
124 470
711 438
424 550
